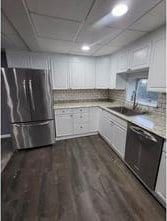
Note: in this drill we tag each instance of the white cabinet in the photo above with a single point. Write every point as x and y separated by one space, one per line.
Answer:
82 73
39 61
116 80
94 119
119 141
76 121
60 72
157 71
123 61
89 73
64 125
114 130
102 72
18 59
161 180
140 55
76 75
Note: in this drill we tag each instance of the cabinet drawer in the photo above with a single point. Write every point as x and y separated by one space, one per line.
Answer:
64 111
115 119
80 110
81 128
81 117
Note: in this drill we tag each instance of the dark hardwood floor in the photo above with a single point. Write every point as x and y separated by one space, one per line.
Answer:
79 179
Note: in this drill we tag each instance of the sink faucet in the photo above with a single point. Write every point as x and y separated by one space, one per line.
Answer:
133 98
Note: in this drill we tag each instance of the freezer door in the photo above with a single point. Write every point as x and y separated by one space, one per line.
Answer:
29 135
40 94
17 94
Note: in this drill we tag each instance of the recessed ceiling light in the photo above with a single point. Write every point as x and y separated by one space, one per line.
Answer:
85 48
119 10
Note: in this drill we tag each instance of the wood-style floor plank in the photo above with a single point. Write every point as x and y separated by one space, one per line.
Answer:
79 179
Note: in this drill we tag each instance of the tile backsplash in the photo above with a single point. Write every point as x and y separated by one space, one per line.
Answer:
104 94
120 95
80 94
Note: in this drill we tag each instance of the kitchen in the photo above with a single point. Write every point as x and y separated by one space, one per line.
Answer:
83 110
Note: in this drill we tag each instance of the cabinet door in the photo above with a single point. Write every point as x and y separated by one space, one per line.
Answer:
77 75
39 61
119 139
89 74
93 119
123 61
60 72
157 72
140 56
18 59
64 125
161 180
102 72
106 129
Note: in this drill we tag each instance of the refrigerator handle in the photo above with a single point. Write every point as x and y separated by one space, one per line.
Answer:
24 86
32 124
31 94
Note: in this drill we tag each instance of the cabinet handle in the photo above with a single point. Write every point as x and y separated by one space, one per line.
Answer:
71 115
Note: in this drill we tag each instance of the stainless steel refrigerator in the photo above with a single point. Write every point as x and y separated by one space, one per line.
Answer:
29 97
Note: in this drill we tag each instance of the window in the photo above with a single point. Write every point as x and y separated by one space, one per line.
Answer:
144 97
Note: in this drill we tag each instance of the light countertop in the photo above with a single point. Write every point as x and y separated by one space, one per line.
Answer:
152 122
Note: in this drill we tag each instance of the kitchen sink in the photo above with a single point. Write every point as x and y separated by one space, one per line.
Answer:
126 111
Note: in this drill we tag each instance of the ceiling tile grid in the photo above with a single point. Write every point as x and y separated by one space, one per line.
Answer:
64 26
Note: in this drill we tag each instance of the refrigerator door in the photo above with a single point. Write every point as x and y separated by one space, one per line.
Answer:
29 135
15 81
40 94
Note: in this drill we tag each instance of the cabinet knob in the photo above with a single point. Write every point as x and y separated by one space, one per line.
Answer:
80 126
80 116
71 115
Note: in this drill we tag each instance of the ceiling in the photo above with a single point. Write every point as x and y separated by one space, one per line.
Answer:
63 26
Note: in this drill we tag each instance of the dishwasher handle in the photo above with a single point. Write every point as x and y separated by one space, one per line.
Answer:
146 135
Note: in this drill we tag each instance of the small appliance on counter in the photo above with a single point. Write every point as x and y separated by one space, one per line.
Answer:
29 97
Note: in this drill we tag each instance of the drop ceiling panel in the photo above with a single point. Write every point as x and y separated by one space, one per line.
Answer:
76 49
125 38
106 50
152 20
93 35
69 9
50 45
101 12
57 29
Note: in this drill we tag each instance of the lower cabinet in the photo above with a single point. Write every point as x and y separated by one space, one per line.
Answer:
161 180
114 130
75 121
120 139
64 125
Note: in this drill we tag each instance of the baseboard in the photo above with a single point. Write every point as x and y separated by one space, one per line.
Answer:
75 136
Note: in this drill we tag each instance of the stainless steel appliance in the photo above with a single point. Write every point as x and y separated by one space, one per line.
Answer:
29 98
142 154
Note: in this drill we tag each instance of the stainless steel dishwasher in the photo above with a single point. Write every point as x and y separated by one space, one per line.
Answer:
142 154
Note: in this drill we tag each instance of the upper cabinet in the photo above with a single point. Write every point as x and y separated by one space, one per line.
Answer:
39 61
102 72
18 59
140 55
116 80
157 70
82 73
60 71
123 61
